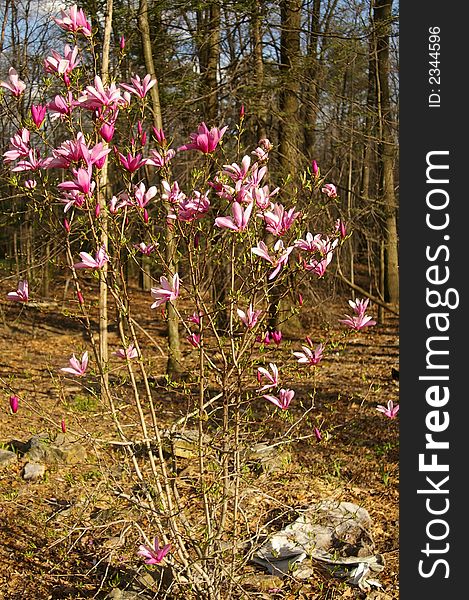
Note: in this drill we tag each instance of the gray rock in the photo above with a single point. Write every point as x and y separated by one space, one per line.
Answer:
263 458
33 471
7 458
61 450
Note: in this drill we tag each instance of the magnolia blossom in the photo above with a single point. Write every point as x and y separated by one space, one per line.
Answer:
390 410
341 228
250 317
272 377
167 291
142 195
282 400
240 219
237 172
278 220
144 249
330 190
99 96
204 140
154 555
21 294
195 317
38 114
33 162
132 163
359 320
77 367
15 85
157 159
14 402
127 353
60 107
62 65
74 20
278 259
310 356
88 262
19 146
191 208
139 87
82 181
194 339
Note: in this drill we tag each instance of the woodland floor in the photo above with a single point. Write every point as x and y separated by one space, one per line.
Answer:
68 536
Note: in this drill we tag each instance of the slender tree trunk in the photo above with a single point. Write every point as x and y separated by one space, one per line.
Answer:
174 364
103 193
382 17
288 100
258 71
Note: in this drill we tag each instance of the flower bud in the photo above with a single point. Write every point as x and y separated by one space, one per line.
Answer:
14 401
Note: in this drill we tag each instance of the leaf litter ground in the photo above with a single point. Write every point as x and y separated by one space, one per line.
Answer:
70 535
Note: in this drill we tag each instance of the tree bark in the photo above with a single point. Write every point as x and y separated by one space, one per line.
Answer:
174 364
382 18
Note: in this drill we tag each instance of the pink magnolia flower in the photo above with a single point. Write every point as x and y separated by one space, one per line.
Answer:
310 356
194 339
250 317
38 114
359 306
195 318
30 184
154 555
359 320
88 262
144 249
107 131
142 195
61 107
262 196
282 400
73 198
33 162
276 336
314 168
167 291
127 353
139 87
99 96
14 402
172 193
82 182
204 140
278 220
330 190
278 259
63 426
157 159
317 434
236 172
341 228
390 410
21 294
19 146
62 65
122 43
240 218
132 163
74 20
77 367
191 208
15 85
272 377
262 151
159 136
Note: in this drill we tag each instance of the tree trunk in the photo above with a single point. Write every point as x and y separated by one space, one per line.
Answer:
382 21
103 194
288 100
174 364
